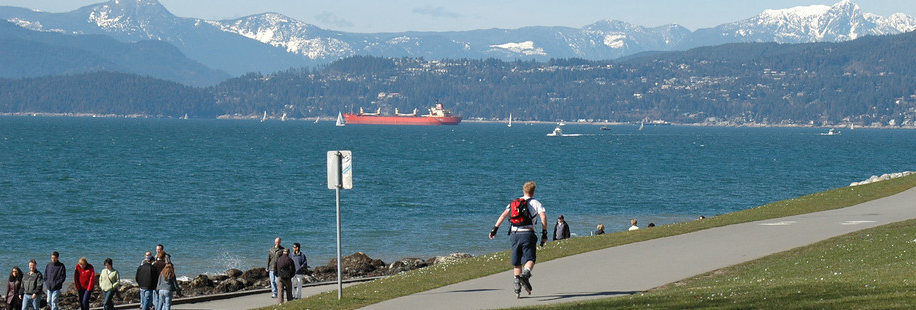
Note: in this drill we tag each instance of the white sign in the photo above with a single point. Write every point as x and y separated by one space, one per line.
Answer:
340 169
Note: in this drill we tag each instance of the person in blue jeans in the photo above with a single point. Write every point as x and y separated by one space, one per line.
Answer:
168 284
32 283
147 278
55 275
272 255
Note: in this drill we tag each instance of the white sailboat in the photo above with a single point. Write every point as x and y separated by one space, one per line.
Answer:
264 118
317 118
283 118
510 119
340 120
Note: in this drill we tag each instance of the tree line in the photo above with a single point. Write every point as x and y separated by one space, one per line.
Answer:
865 81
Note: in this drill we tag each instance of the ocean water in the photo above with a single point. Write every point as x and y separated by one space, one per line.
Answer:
217 192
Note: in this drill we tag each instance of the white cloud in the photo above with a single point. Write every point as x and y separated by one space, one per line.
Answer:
330 19
436 12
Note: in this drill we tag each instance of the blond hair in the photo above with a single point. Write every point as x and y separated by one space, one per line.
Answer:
528 188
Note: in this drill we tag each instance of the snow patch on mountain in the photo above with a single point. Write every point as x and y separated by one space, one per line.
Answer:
525 48
32 25
104 19
615 40
281 31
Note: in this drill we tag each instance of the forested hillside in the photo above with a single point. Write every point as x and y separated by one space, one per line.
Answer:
867 82
105 93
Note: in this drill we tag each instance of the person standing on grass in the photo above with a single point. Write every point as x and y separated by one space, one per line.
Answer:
286 270
272 255
84 280
109 281
561 229
302 268
55 275
522 236
32 284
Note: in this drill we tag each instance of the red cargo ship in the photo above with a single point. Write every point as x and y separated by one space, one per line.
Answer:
438 115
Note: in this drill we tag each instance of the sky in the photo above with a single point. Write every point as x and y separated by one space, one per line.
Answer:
440 15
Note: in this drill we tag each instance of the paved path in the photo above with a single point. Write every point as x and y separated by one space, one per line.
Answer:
645 265
254 300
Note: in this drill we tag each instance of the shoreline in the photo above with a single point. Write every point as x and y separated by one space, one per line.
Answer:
725 124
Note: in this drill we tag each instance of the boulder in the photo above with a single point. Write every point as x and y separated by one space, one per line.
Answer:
358 264
406 264
129 294
201 281
231 285
254 275
234 273
450 258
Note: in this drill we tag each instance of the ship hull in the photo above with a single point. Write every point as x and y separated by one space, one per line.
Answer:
401 120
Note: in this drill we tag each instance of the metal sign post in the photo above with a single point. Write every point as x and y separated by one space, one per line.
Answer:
340 175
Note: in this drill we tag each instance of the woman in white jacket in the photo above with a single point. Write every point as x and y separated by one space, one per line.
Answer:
109 281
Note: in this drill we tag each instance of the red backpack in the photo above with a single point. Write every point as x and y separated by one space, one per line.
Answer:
519 215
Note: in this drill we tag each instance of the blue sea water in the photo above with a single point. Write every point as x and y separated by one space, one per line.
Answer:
217 192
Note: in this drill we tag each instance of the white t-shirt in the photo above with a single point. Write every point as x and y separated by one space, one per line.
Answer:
534 208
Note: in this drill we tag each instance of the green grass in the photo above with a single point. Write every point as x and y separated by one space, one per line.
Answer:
868 269
440 275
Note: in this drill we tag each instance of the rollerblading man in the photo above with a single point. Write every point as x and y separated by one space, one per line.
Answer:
523 214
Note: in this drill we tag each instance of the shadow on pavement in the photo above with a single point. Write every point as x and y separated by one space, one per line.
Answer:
589 294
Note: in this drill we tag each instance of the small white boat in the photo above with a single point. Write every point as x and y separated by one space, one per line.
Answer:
317 118
340 120
283 118
264 118
557 132
831 132
510 119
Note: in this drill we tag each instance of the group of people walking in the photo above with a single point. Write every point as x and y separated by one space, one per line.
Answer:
155 276
286 270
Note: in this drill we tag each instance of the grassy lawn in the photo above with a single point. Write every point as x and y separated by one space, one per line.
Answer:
479 266
869 269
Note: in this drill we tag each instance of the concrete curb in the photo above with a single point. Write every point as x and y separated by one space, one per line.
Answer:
204 298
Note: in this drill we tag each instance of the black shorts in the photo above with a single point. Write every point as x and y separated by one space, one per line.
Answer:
524 247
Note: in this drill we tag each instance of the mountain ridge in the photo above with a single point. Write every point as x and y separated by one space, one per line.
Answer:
272 41
32 54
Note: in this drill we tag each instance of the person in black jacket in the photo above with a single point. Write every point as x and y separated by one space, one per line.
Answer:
55 275
147 278
286 270
561 229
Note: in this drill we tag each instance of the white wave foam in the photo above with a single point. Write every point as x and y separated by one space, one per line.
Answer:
884 177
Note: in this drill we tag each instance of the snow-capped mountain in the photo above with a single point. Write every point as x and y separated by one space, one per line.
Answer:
842 21
271 41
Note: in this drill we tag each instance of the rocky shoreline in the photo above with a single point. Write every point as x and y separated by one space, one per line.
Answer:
357 265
